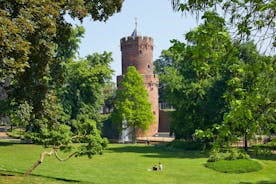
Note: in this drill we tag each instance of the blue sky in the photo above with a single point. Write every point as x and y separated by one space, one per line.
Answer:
155 19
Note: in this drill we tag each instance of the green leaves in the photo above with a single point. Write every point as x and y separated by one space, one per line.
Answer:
84 85
246 16
193 79
131 102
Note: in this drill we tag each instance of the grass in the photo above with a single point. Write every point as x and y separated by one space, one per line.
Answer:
123 164
235 166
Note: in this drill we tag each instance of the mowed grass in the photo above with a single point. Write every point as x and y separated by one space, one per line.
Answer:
124 164
235 166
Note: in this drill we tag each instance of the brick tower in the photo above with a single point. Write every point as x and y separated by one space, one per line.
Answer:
138 51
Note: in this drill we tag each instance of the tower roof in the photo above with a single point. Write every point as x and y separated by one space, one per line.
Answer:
135 32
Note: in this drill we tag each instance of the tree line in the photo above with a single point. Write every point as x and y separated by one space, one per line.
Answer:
222 89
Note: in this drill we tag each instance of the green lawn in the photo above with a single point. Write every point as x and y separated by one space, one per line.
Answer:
123 164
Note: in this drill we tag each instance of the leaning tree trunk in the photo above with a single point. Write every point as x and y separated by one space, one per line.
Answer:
42 156
36 164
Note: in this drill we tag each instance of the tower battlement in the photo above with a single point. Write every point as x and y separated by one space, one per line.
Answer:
136 38
138 42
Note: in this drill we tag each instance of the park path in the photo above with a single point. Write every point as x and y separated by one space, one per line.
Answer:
4 135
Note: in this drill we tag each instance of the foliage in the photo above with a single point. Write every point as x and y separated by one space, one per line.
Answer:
222 92
84 85
235 166
22 115
29 29
131 103
227 154
264 149
36 43
246 16
187 145
251 94
17 133
195 78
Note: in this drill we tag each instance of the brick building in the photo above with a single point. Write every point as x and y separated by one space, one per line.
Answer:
138 51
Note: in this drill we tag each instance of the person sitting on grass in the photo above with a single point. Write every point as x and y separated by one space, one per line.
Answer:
160 166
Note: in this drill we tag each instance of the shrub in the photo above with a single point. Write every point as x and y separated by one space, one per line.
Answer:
187 145
227 154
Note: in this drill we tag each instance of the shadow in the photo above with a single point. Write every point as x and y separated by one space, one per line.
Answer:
9 143
259 182
263 156
155 152
63 179
14 173
4 174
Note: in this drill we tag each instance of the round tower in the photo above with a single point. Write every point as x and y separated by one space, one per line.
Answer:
138 51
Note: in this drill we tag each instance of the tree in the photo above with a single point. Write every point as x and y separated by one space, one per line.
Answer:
194 80
73 115
250 97
35 43
246 16
83 92
132 104
33 36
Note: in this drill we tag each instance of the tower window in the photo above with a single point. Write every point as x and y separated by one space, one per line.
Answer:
148 66
140 51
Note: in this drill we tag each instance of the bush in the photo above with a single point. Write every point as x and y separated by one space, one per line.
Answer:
227 154
17 133
187 145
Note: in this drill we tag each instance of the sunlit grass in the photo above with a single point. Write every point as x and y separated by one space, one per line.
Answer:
235 166
125 164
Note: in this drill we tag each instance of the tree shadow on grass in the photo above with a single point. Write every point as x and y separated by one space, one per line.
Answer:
8 143
155 152
14 173
263 156
259 182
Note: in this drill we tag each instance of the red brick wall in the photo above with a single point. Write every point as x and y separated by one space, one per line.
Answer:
137 51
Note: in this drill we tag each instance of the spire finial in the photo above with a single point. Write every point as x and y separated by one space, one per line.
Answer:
136 22
135 32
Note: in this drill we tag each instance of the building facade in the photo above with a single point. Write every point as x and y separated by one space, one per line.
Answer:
138 51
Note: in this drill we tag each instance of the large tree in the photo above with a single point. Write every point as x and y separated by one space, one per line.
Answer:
249 18
251 94
218 85
33 35
83 92
35 43
132 103
194 76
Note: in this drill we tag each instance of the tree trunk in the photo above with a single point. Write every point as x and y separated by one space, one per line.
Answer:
245 142
134 135
36 164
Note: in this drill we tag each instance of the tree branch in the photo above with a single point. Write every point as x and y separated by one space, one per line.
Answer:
65 159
